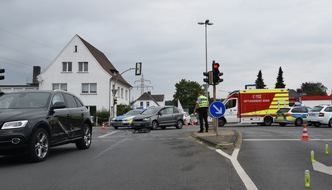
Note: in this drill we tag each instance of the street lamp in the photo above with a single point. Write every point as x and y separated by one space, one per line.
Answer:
114 91
206 23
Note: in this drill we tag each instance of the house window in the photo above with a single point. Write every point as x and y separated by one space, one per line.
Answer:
59 86
141 104
83 66
126 94
119 92
67 67
122 93
75 49
147 104
89 88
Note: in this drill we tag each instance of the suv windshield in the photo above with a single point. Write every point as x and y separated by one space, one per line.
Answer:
24 100
150 111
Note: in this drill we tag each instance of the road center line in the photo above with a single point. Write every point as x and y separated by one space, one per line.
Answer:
108 134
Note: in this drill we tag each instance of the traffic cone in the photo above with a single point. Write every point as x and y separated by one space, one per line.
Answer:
192 123
103 126
186 123
305 136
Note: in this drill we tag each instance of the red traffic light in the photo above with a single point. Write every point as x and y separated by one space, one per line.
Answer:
215 65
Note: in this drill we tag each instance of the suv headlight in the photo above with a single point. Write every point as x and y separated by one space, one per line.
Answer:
146 119
14 124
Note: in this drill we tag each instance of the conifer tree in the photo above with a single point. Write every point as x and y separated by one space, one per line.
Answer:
280 80
259 81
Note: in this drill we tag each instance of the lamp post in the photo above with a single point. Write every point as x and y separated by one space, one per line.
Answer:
206 23
114 91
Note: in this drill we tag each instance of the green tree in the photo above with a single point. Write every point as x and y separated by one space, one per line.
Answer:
280 80
313 89
186 92
122 109
259 81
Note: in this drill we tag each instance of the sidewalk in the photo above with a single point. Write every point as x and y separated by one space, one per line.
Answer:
226 138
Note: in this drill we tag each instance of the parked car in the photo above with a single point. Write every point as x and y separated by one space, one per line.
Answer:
126 119
292 115
313 115
157 116
325 116
33 121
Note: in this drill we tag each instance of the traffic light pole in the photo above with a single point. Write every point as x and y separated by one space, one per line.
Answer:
215 120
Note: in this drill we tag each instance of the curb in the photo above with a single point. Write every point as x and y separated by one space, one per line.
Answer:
230 140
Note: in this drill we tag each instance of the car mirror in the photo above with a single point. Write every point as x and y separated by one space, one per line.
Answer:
58 105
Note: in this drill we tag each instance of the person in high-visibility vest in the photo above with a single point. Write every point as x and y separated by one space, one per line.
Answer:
202 106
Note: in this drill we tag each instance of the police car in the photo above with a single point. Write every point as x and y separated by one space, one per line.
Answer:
296 115
126 119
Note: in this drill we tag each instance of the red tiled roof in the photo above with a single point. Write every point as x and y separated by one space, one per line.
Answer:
104 62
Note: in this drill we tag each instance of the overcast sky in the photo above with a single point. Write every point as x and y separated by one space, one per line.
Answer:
246 36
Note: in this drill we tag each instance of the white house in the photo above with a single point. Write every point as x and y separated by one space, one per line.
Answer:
147 99
83 70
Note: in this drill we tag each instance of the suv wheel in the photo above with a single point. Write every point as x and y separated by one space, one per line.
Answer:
85 141
330 123
38 147
298 122
155 125
179 124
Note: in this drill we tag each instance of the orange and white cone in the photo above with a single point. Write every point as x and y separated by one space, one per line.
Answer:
192 123
103 126
305 136
186 123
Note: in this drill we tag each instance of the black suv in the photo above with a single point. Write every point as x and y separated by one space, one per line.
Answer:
33 121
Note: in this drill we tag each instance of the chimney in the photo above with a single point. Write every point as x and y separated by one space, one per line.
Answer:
36 72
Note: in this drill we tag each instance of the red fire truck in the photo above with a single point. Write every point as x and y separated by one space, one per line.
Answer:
254 106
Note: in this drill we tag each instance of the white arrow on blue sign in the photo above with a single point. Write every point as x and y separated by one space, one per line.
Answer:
217 109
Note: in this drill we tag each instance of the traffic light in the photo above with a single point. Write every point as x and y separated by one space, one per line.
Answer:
216 73
1 76
115 101
209 77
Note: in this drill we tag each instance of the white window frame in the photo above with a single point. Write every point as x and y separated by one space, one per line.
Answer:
83 67
89 88
67 66
59 86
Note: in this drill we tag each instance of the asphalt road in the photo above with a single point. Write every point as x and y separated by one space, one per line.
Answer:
161 159
276 158
272 157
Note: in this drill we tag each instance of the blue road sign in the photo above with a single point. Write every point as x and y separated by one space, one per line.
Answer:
217 109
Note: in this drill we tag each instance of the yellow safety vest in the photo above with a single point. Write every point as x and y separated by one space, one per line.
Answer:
203 102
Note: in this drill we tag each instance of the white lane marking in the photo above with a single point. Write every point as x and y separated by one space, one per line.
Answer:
285 140
240 171
322 168
108 134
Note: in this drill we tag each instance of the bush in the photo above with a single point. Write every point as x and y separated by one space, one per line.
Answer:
102 116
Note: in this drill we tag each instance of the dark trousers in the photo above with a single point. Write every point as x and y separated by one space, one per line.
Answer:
203 114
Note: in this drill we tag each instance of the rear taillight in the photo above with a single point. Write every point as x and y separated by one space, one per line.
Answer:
321 114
